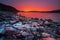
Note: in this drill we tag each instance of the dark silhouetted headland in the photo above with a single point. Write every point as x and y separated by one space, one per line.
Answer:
7 12
8 8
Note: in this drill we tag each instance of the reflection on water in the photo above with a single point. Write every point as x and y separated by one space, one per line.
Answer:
53 16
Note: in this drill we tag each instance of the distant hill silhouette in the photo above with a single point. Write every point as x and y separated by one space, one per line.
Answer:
52 11
55 11
8 8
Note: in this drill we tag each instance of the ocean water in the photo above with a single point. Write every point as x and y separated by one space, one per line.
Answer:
53 16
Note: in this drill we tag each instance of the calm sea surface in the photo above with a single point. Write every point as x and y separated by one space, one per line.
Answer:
53 16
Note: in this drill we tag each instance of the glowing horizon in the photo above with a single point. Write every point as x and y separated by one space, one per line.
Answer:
33 8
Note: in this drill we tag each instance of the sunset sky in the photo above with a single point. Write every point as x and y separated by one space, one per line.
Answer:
36 5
